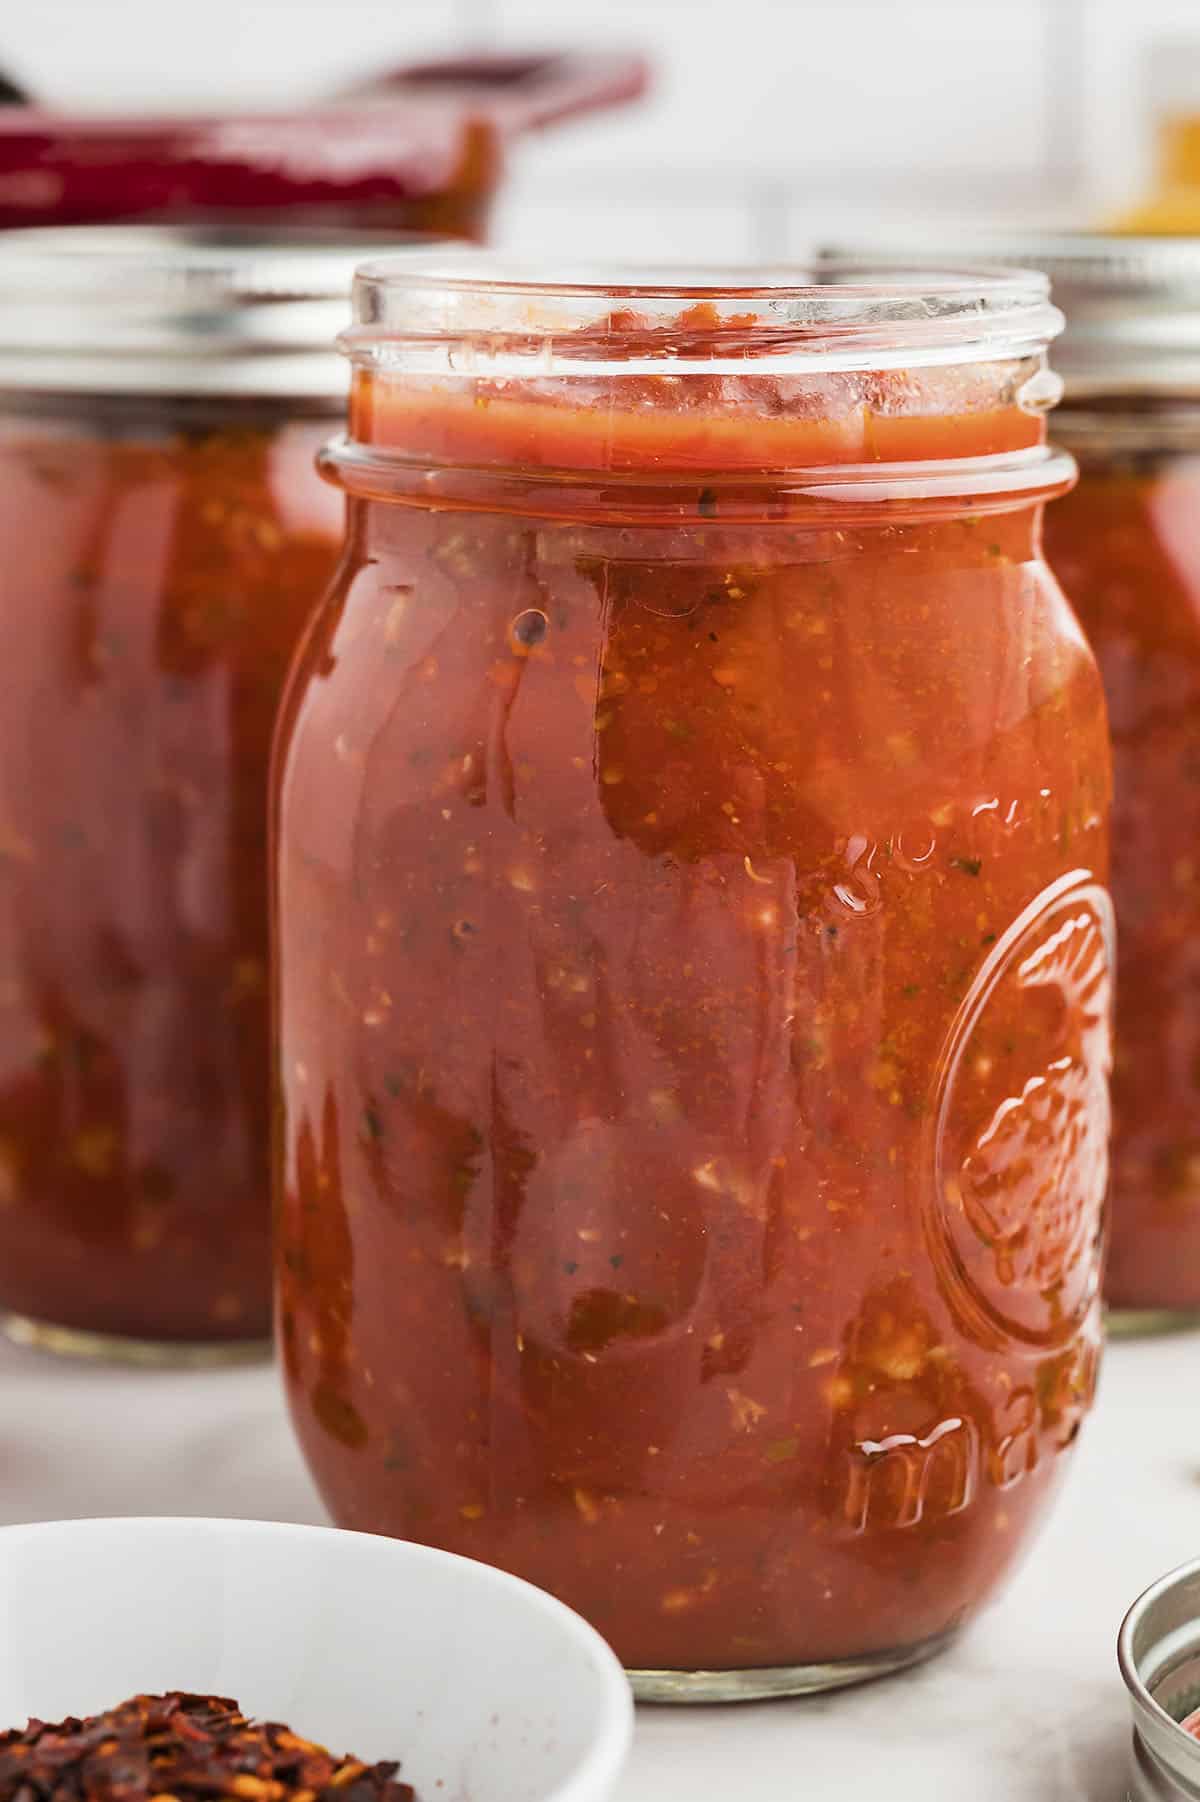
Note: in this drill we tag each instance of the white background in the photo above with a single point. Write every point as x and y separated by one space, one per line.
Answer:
771 118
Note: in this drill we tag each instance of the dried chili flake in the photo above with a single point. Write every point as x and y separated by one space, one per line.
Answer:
188 1748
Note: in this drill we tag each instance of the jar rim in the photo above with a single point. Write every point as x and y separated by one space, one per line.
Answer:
835 315
1131 301
211 308
1158 1655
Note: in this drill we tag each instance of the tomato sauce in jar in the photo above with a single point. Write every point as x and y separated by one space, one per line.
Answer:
1126 545
163 539
692 960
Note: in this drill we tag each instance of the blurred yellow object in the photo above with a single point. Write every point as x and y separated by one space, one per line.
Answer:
1173 210
1172 213
1179 150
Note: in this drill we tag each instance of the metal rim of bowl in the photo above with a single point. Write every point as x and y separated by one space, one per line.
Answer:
1159 1634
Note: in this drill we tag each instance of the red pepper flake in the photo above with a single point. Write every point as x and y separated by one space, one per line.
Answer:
188 1749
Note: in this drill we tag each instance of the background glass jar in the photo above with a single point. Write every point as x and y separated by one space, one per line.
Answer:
163 537
1126 546
692 960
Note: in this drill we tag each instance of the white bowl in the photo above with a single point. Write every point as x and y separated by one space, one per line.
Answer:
486 1689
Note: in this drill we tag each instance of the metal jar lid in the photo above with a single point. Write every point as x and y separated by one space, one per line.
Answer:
188 310
1159 1654
1132 303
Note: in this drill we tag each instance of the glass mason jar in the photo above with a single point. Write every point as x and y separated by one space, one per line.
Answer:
692 959
1126 546
163 538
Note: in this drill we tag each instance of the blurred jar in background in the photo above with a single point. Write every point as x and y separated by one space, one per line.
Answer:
163 536
1126 546
1125 543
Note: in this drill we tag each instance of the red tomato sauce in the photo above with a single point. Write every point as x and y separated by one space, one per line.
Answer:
693 976
157 565
1127 548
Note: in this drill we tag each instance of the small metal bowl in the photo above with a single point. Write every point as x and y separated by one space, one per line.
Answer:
1158 1651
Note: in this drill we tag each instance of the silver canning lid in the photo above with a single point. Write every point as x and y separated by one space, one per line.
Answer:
188 310
1132 304
1159 1655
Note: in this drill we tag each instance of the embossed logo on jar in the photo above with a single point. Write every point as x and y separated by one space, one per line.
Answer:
1021 1118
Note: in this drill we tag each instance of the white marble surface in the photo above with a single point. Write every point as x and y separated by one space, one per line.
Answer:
1026 1708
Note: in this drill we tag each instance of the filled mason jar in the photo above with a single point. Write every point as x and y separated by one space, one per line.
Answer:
692 958
163 539
1126 546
